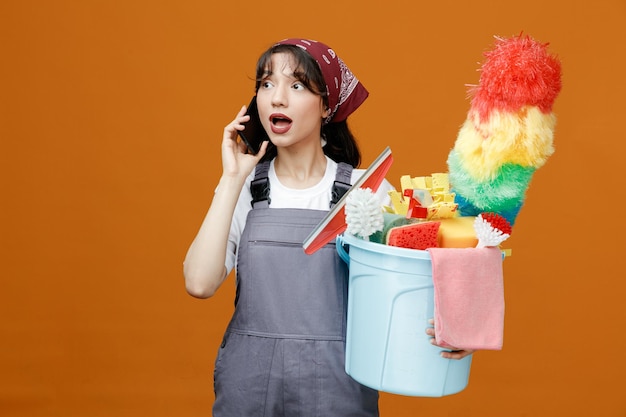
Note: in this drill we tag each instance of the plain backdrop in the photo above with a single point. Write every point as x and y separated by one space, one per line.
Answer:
111 117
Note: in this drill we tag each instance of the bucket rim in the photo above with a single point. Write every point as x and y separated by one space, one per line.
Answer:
352 240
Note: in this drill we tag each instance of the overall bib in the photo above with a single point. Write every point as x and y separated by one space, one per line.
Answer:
283 351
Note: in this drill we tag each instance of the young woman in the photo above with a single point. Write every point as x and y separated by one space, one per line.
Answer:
283 351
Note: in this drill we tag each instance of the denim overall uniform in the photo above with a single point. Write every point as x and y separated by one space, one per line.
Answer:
283 351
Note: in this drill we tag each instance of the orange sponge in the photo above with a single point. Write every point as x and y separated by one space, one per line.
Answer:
457 232
421 235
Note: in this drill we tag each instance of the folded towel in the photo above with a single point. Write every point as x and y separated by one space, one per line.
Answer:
469 297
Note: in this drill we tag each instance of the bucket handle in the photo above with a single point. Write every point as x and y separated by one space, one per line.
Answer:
343 254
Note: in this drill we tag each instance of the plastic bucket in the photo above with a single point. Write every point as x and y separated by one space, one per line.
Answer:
390 300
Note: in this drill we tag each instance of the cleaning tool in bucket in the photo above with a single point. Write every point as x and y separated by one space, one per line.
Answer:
509 129
334 222
390 300
469 297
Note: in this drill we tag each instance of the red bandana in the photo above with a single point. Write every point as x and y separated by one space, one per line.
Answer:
345 92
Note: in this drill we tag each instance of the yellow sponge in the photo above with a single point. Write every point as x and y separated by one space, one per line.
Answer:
457 232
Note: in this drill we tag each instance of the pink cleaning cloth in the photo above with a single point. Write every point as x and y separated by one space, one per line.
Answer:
469 297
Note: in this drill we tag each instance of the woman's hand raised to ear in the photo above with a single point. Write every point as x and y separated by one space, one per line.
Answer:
236 162
452 353
204 267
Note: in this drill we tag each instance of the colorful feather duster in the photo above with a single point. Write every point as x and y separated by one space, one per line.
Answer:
508 133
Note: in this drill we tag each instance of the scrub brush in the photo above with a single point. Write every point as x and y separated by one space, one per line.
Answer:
364 214
491 229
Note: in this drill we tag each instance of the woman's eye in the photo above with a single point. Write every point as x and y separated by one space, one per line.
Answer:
266 84
299 86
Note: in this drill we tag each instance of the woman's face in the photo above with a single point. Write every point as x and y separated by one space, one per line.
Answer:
290 112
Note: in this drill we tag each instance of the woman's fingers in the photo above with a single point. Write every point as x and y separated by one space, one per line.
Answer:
456 354
453 353
231 129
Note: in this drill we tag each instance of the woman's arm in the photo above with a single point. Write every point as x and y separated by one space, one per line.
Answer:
204 268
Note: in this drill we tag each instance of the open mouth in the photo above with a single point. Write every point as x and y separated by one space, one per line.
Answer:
280 123
280 120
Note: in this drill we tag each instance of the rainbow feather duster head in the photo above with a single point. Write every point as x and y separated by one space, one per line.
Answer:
518 72
508 133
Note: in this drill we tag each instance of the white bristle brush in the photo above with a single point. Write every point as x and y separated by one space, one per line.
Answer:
491 229
364 215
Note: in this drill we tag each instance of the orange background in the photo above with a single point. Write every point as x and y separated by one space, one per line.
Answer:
110 123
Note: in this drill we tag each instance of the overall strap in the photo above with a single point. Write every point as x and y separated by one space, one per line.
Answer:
260 186
343 181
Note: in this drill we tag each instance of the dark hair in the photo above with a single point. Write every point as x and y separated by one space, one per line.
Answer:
341 145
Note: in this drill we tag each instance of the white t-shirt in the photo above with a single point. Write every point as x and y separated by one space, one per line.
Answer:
316 197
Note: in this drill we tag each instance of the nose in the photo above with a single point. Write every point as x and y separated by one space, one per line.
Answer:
279 96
